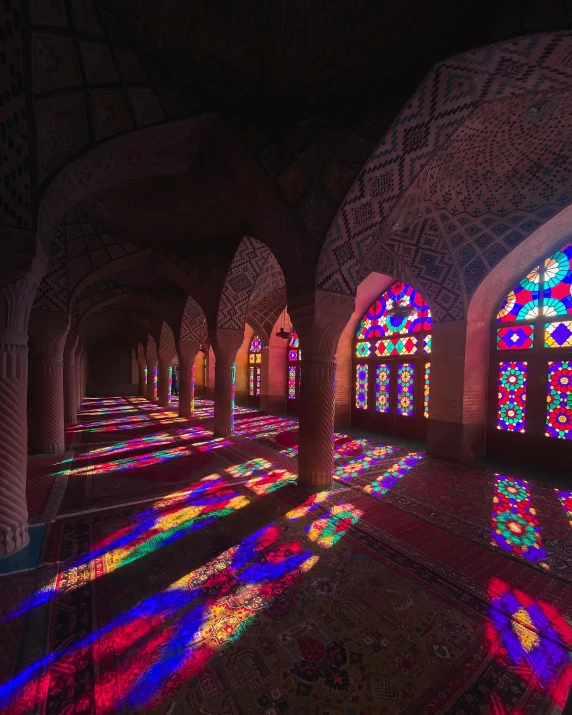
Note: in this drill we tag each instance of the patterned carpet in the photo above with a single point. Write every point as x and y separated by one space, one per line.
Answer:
229 590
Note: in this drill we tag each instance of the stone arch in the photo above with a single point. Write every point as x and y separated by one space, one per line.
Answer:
193 322
167 338
449 236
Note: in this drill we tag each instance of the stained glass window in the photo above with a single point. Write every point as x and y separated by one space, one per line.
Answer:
255 369
361 386
426 389
535 316
559 400
405 397
396 326
294 366
382 385
511 411
377 323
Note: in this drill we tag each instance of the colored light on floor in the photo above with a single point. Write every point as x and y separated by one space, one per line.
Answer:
390 478
308 506
347 472
515 526
329 529
534 637
565 498
156 440
144 460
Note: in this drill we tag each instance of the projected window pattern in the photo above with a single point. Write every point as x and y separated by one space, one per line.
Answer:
396 325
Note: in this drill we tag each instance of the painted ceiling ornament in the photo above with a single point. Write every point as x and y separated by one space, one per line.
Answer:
538 109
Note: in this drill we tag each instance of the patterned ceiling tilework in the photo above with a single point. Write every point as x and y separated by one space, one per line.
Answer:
53 291
247 265
91 246
268 298
98 293
453 91
167 338
15 167
193 323
140 351
103 87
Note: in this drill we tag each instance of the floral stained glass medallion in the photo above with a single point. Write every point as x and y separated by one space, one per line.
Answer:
511 407
361 386
559 400
405 397
382 385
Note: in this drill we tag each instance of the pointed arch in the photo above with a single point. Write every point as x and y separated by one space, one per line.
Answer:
193 322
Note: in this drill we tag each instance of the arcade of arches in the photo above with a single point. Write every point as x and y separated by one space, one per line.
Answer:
285 389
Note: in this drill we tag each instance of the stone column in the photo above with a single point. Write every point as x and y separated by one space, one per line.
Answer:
274 375
70 405
188 351
166 356
319 318
458 390
16 298
49 332
78 372
151 367
225 344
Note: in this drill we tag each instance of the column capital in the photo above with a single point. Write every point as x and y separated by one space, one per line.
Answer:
319 318
18 297
48 331
225 342
166 354
188 350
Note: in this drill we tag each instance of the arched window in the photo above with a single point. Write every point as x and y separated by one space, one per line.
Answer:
391 363
294 370
531 369
254 369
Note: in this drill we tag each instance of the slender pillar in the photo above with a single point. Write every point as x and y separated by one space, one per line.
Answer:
142 365
70 405
166 356
187 351
319 318
48 332
78 371
151 372
225 344
16 300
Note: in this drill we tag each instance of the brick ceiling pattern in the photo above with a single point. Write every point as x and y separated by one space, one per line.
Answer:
478 147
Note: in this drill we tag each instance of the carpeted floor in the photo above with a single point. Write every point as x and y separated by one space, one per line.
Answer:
204 581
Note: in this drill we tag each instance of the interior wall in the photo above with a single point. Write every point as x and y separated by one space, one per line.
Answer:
200 374
110 368
274 369
367 292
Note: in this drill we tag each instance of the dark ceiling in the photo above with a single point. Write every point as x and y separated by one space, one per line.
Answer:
284 60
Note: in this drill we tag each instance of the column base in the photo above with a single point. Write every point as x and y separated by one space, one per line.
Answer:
459 442
315 482
13 541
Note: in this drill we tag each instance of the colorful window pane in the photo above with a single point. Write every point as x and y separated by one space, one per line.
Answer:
522 303
363 350
256 345
511 406
558 283
558 335
361 386
294 341
514 525
382 386
292 355
426 387
405 382
396 346
258 380
565 498
292 382
519 337
559 400
251 380
377 323
427 342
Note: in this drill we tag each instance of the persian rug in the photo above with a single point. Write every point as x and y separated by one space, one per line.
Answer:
471 503
288 603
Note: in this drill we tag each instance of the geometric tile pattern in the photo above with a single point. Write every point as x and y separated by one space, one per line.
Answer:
268 299
473 144
92 64
53 291
15 167
166 338
90 246
193 322
247 265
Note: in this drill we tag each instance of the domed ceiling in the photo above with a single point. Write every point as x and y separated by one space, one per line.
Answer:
296 58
